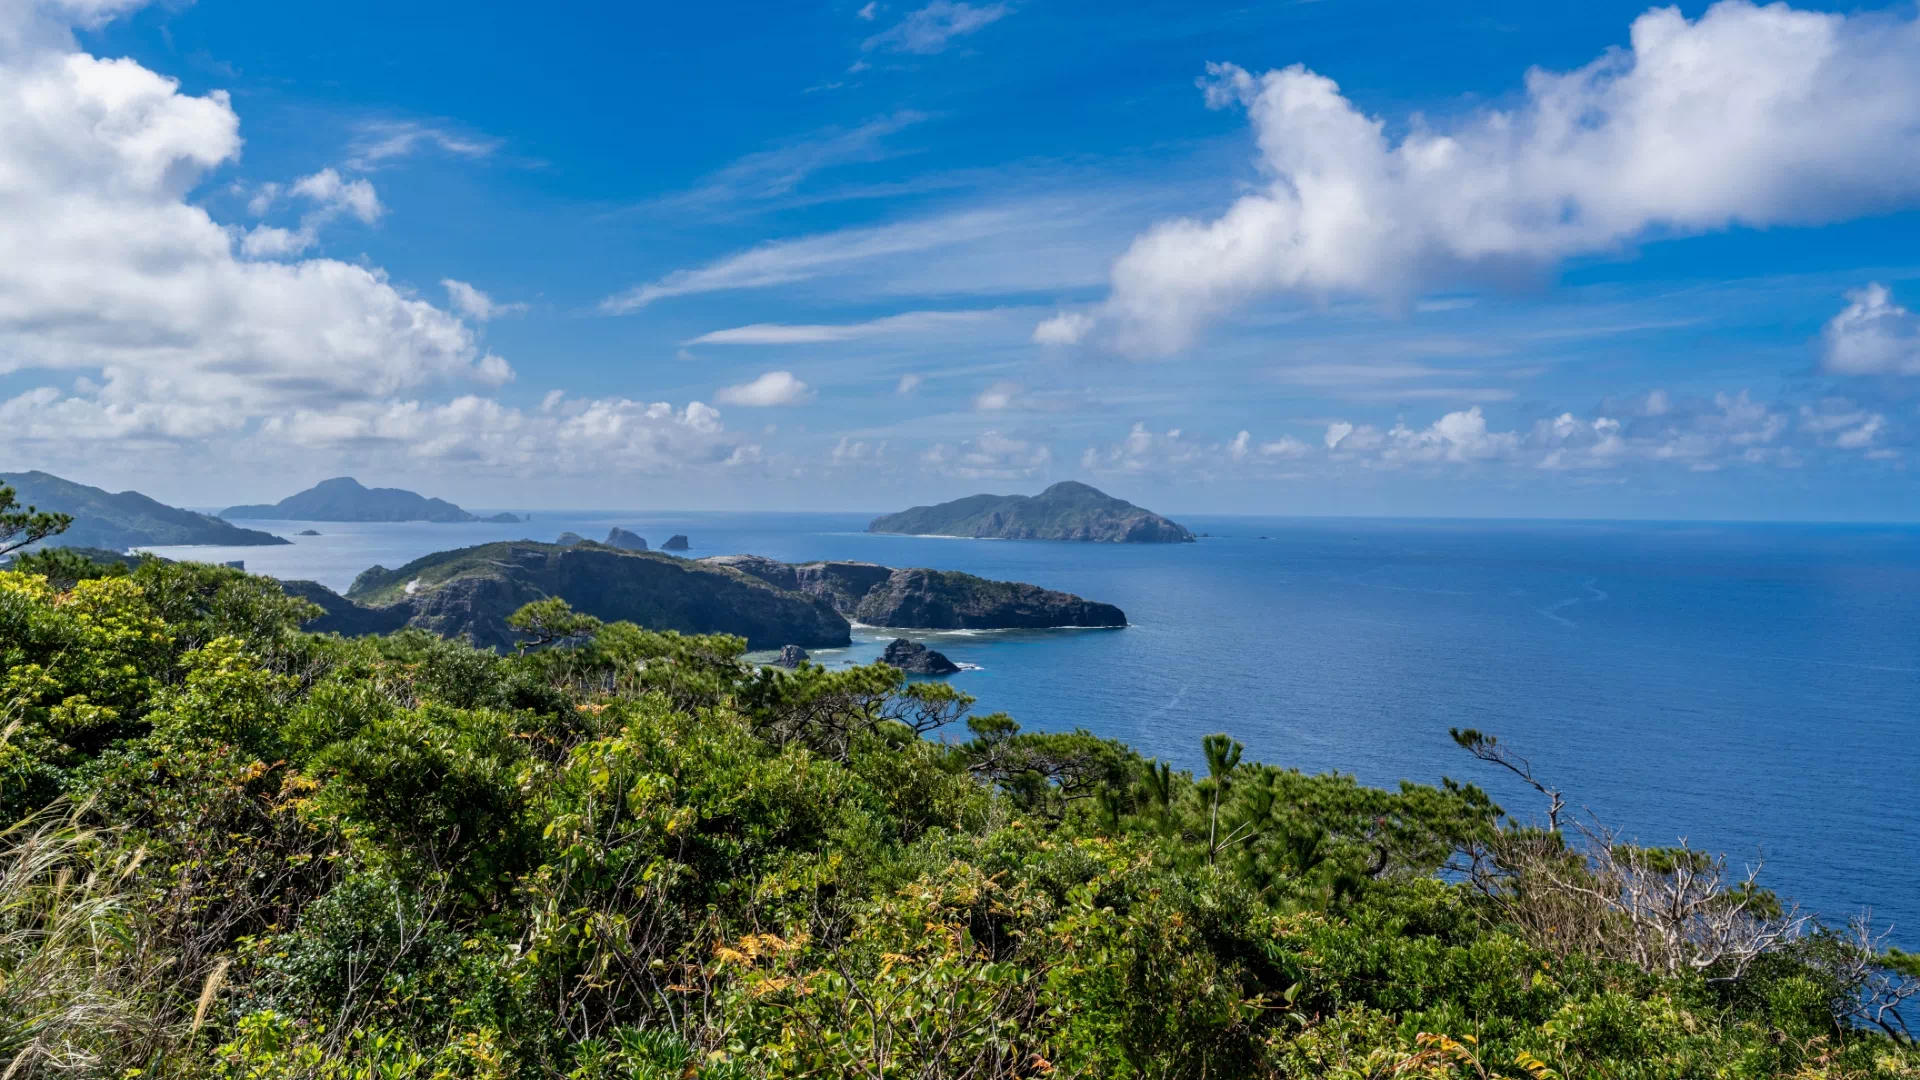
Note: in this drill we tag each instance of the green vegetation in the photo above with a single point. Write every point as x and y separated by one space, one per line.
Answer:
345 499
243 851
103 519
1066 511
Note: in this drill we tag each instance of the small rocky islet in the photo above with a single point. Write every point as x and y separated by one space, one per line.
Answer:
916 659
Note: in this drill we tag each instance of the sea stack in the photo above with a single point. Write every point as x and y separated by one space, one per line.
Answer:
676 542
791 656
916 659
625 541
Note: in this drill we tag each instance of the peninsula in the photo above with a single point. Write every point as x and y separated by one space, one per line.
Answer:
345 499
1066 511
471 592
128 519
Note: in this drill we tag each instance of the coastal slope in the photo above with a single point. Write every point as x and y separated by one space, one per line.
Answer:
345 499
127 519
923 599
472 590
1066 511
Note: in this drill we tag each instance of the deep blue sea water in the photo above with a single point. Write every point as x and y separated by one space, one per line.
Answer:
1754 688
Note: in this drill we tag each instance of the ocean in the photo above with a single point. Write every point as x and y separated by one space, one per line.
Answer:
1752 688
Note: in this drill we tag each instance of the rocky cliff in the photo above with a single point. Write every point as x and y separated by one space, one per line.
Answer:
1065 511
921 599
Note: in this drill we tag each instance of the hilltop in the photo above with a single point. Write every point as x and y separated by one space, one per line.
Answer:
471 592
1066 511
345 499
127 519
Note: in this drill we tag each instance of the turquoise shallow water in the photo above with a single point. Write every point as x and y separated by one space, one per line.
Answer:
1754 688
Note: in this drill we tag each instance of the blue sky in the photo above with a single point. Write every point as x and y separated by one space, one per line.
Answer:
1320 258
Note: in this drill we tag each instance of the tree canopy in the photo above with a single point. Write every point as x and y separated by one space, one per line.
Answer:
243 851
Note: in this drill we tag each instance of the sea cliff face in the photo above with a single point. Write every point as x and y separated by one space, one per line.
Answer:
921 599
1065 511
472 591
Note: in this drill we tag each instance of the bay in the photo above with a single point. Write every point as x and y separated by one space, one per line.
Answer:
1754 688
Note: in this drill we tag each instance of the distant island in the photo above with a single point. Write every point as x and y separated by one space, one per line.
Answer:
471 591
1066 511
345 499
103 519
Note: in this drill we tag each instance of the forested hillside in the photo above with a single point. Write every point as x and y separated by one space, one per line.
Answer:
245 851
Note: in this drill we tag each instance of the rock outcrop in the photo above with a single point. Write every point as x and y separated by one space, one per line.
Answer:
1065 511
127 519
916 659
676 542
343 616
569 539
921 599
472 591
791 656
625 541
945 600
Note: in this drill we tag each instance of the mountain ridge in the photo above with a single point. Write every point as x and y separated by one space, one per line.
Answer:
127 519
1068 510
345 499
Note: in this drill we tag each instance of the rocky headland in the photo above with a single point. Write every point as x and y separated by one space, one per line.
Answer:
771 604
923 599
471 591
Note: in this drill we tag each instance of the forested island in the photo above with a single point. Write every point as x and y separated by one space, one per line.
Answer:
345 499
1068 510
242 850
128 519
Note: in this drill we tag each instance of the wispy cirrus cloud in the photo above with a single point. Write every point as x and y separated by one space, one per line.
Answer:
930 29
475 304
782 262
766 175
378 141
910 322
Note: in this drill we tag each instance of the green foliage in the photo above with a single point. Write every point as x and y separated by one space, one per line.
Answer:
247 852
21 526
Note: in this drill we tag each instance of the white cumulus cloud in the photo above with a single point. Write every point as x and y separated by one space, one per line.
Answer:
1873 336
1746 116
992 456
166 323
771 389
